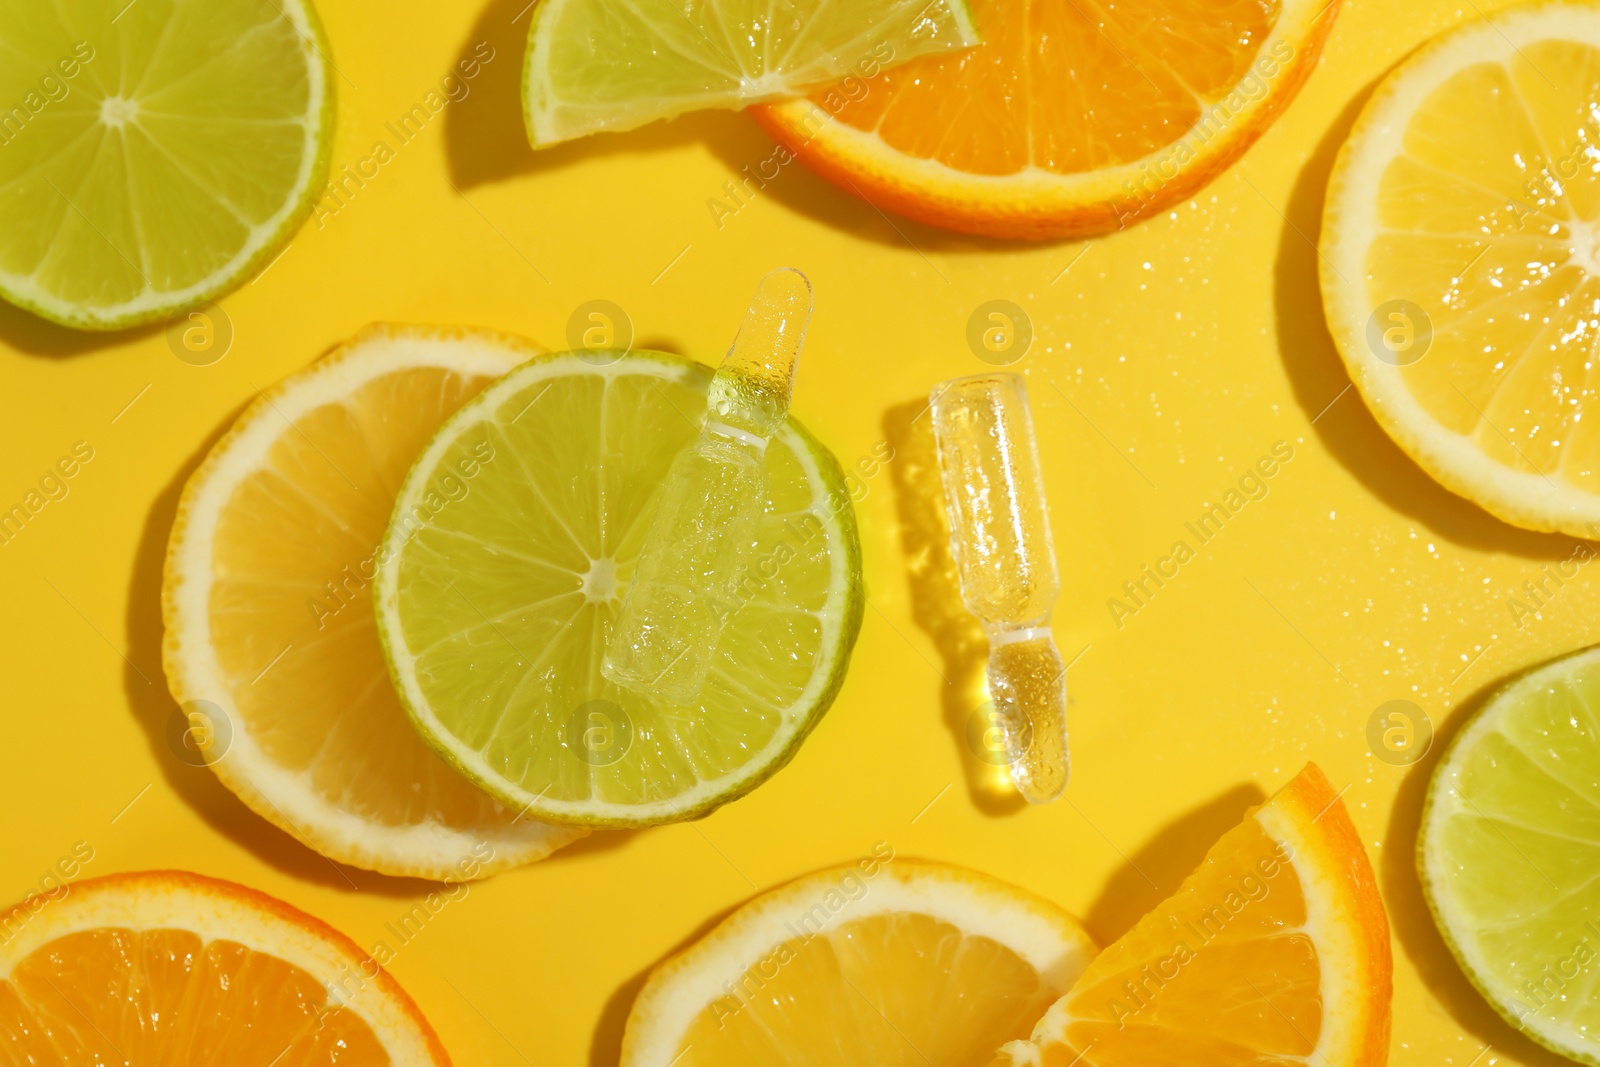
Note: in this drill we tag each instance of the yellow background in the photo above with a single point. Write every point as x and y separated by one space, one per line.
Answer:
1168 358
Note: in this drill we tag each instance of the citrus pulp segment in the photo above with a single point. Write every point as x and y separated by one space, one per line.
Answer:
1461 262
166 967
597 65
1509 853
494 606
154 156
1275 951
1071 119
884 962
270 645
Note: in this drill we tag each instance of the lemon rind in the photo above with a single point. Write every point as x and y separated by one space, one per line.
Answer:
1350 224
281 796
1042 934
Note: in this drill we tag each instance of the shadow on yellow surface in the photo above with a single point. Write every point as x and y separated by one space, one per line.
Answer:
605 1047
1342 421
484 134
1154 872
1413 924
936 597
27 332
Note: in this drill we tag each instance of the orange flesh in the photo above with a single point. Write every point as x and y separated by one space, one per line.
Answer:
1063 87
293 560
160 997
1221 975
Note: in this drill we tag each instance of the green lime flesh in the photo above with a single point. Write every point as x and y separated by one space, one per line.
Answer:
596 65
503 570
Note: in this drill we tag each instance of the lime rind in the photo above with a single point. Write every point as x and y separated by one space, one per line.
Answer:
1508 802
265 241
840 615
614 65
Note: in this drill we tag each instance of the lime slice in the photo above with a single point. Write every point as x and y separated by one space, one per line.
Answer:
153 154
1510 853
501 576
615 64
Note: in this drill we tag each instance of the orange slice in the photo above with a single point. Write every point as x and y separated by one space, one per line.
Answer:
1073 118
1275 952
167 967
880 963
271 647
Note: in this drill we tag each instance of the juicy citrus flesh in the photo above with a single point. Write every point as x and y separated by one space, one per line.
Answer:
914 980
616 64
1466 190
1071 118
271 617
966 110
883 987
166 967
1273 952
154 154
186 1001
497 599
1510 853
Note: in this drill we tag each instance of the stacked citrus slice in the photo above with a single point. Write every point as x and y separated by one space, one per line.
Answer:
1070 119
502 571
270 644
153 154
1274 952
1461 262
166 967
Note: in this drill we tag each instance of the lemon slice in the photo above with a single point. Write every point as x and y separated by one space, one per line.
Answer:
503 570
270 646
1180 89
884 962
167 967
1509 853
616 64
1461 262
153 154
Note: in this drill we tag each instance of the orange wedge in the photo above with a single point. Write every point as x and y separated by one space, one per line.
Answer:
271 645
165 967
1274 953
1071 119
